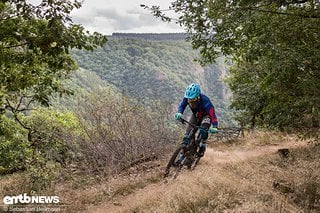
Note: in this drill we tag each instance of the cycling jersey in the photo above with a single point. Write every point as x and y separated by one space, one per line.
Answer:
202 108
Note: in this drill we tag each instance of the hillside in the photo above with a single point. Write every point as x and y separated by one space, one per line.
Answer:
157 69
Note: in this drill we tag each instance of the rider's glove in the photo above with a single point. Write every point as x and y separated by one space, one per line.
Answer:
178 116
213 130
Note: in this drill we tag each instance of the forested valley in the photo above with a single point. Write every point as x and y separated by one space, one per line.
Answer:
158 69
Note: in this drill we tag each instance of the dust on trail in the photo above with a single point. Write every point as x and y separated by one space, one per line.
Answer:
161 197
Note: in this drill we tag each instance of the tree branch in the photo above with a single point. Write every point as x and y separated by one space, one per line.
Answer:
16 45
282 13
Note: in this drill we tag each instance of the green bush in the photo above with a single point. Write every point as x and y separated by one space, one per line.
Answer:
13 146
54 131
41 148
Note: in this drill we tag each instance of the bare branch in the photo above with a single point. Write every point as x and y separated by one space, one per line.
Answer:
20 101
14 110
20 122
16 45
281 13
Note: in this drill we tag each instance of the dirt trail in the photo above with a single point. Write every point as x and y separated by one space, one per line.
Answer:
157 197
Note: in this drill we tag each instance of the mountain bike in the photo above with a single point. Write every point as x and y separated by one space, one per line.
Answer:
186 155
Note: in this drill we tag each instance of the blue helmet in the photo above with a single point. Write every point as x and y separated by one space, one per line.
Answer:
192 91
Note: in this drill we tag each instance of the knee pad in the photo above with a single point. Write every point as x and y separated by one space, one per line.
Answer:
206 121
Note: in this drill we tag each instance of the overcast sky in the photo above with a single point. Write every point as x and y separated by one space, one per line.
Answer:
108 16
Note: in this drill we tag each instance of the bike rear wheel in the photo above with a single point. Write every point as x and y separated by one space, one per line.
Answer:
172 162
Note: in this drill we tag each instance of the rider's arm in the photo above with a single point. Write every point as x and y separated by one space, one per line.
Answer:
183 105
214 119
209 108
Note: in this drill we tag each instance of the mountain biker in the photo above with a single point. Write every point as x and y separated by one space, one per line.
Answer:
203 114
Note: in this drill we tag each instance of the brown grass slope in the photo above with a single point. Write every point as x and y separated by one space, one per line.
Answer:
247 176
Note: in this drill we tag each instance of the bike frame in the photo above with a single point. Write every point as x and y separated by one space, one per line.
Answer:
193 130
189 151
194 141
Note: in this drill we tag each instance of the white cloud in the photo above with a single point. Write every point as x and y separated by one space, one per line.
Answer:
108 16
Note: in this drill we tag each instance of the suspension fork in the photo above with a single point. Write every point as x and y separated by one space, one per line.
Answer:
190 136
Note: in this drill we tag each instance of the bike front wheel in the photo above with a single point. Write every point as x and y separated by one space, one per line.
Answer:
172 164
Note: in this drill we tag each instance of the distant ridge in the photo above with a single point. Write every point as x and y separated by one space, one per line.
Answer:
152 36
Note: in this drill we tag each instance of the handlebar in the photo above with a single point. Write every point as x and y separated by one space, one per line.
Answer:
183 121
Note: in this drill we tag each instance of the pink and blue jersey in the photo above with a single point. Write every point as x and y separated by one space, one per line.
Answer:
204 107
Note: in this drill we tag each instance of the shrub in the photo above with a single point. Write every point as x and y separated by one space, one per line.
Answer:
120 131
13 146
53 132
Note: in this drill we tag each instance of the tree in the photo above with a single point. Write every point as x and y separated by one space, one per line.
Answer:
34 51
274 46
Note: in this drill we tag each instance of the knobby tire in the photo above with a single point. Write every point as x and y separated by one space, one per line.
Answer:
173 159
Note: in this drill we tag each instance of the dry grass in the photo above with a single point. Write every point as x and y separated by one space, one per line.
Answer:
245 176
253 138
96 191
12 184
241 177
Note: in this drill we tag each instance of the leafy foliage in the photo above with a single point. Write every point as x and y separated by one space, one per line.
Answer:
47 151
54 130
34 50
274 46
35 41
54 133
13 146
